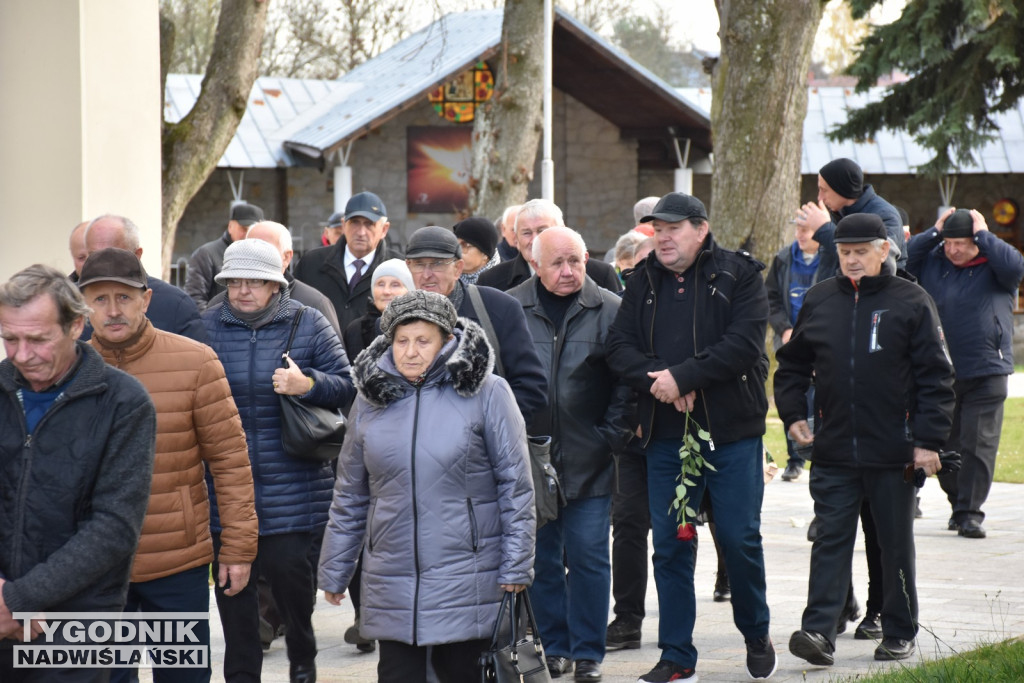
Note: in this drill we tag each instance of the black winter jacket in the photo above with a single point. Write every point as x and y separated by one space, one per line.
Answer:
587 407
729 322
869 202
883 381
73 494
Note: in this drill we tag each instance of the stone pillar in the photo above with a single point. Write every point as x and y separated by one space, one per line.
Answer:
79 124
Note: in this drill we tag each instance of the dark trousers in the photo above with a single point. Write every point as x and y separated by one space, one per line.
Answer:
187 591
285 561
838 493
977 423
452 662
873 555
631 520
9 674
736 487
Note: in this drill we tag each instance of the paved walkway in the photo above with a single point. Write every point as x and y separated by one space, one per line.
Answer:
971 591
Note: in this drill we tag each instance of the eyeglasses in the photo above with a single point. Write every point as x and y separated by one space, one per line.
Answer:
235 283
434 265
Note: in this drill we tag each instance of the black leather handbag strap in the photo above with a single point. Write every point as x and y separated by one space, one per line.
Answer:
485 322
291 336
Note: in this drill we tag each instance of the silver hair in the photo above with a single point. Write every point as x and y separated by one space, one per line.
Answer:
540 207
509 210
626 245
877 244
35 281
644 207
284 235
130 231
557 230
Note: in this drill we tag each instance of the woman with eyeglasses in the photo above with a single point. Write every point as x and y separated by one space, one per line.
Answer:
250 331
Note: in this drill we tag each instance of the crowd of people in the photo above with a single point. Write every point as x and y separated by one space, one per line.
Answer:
142 449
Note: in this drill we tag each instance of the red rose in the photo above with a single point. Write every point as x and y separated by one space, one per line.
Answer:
687 532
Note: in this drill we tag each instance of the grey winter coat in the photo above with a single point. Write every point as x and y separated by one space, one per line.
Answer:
434 486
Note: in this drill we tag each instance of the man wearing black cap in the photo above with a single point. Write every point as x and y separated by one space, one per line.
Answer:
207 260
334 229
973 277
841 193
883 406
689 339
343 271
435 259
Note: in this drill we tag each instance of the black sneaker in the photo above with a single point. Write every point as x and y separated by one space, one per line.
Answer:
761 659
558 665
665 671
953 524
813 647
622 634
793 471
722 591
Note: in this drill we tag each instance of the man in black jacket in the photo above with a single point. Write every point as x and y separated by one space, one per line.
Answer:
883 408
343 271
569 316
77 439
689 339
534 217
435 260
206 261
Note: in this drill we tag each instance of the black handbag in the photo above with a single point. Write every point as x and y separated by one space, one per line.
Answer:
308 432
522 660
547 489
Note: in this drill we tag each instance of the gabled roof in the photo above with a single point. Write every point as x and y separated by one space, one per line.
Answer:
273 104
585 66
888 152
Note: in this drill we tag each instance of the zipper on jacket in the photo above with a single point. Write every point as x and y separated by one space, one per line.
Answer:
703 398
853 369
653 301
415 520
472 524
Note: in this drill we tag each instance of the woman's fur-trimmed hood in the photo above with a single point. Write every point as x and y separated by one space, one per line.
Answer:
466 365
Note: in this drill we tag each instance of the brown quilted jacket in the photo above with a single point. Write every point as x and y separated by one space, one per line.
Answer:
197 422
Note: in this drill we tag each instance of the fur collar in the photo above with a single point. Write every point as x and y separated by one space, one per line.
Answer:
466 366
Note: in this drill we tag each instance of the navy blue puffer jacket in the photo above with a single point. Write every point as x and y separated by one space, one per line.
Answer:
291 495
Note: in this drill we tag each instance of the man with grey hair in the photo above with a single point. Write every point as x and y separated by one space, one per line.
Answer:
76 245
534 217
77 438
507 227
586 417
206 261
873 344
279 236
170 310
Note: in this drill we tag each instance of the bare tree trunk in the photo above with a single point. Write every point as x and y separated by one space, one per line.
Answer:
192 147
507 128
759 102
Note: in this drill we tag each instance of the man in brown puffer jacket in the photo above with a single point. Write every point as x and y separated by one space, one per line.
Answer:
197 423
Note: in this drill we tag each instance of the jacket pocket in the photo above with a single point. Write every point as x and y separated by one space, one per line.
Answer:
369 526
474 533
188 512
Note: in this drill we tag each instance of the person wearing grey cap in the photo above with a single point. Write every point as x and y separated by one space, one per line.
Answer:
342 271
973 276
207 259
434 487
873 344
250 332
434 257
689 339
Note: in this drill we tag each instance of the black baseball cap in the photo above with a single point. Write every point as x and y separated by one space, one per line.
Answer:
860 227
367 205
675 207
433 241
246 214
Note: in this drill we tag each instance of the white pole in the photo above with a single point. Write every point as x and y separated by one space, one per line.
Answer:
547 168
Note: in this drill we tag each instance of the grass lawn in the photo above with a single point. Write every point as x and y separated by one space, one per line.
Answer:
1009 464
988 664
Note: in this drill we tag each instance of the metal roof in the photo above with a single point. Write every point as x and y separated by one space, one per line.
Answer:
889 152
405 72
273 104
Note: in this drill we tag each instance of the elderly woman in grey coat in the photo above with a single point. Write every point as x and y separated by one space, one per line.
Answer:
434 484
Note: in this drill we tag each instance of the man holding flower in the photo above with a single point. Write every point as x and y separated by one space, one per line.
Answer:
689 338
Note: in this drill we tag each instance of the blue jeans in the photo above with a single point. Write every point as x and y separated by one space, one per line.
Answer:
572 609
736 489
187 591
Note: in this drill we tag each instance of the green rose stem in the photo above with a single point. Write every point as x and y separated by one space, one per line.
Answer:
692 465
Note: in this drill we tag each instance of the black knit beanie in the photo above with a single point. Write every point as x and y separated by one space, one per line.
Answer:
959 224
845 177
479 232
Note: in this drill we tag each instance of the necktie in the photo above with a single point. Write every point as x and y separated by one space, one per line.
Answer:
358 263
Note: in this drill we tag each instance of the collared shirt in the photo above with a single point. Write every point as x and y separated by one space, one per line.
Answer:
350 258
